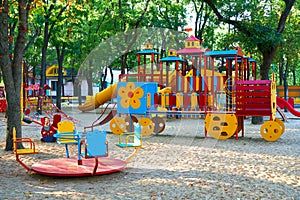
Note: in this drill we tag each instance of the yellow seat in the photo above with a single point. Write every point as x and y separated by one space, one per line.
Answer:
30 150
66 134
65 126
65 130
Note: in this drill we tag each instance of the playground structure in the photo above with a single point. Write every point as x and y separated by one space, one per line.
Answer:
293 94
92 152
219 86
34 96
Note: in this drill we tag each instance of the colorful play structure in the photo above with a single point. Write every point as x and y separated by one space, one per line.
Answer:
193 82
293 94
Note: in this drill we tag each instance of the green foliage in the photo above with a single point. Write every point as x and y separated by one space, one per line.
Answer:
87 26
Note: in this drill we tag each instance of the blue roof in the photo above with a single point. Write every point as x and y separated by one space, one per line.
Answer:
147 51
171 58
252 60
239 59
221 53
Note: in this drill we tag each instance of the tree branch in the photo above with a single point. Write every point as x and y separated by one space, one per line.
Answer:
237 24
36 34
57 17
288 6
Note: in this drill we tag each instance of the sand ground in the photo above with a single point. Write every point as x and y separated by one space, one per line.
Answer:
177 164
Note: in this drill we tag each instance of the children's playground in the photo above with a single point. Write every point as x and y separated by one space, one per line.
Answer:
218 89
191 108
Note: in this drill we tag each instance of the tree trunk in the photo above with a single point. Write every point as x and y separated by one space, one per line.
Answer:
124 62
268 56
285 82
43 66
12 70
112 75
104 85
281 71
294 76
77 90
60 59
90 78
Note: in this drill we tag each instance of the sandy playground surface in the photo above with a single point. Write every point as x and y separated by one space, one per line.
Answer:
177 164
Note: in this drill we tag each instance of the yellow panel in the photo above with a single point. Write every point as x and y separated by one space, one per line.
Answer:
221 126
163 100
167 98
65 126
179 100
197 83
148 100
194 100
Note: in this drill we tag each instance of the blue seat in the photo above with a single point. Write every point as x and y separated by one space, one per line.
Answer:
95 144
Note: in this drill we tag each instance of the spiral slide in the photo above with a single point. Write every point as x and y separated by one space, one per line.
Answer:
93 102
288 106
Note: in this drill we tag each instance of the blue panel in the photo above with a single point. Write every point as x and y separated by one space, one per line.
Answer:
135 104
96 143
191 83
179 84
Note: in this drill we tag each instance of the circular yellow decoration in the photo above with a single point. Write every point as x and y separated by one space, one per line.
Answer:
221 126
145 121
117 125
131 119
159 124
270 131
147 126
281 124
130 96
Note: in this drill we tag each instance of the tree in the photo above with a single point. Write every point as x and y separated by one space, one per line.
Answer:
202 16
52 11
11 62
261 33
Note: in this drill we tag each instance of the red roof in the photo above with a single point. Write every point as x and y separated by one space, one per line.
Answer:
33 87
192 38
190 51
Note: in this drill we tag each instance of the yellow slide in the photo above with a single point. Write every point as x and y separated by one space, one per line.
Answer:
93 102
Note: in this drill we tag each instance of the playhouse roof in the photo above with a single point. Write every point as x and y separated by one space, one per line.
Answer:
37 87
225 53
171 58
147 51
192 38
190 51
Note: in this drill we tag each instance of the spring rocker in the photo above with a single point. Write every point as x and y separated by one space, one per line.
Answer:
48 128
133 99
